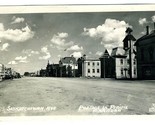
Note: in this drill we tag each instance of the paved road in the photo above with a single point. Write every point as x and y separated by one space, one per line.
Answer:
76 96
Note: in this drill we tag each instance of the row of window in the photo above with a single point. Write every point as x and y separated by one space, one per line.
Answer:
93 63
128 61
93 70
122 71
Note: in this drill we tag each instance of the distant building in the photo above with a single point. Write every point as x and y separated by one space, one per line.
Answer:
49 70
8 73
43 72
69 66
80 62
107 64
130 51
146 55
91 68
2 72
56 70
120 67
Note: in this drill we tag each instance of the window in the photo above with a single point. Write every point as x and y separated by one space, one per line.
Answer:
88 70
93 70
121 71
121 61
134 71
98 70
98 63
93 64
134 61
88 63
128 61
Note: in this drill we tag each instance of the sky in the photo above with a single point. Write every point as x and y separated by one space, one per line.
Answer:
28 41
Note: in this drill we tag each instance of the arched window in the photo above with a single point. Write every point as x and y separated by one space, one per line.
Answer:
121 61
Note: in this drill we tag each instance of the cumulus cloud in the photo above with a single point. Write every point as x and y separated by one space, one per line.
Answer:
30 52
16 35
34 52
1 27
76 54
12 63
153 18
21 59
17 20
4 47
90 52
75 48
99 53
59 41
45 51
59 56
112 32
142 21
18 59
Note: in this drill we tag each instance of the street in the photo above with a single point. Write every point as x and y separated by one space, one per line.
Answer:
76 96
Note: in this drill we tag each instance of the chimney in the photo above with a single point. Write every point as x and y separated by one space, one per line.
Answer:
147 30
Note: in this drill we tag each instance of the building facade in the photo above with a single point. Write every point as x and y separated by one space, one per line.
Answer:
122 63
91 68
146 55
2 72
68 66
107 64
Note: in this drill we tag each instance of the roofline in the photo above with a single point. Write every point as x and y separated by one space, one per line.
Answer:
145 38
92 60
119 56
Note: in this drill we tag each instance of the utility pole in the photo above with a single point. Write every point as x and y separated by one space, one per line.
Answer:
130 59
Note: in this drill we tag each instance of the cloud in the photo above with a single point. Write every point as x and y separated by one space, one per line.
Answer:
59 41
62 35
75 48
90 52
12 63
142 21
17 20
18 59
45 51
112 32
99 53
16 35
30 52
34 52
153 18
1 27
76 54
4 47
21 59
59 56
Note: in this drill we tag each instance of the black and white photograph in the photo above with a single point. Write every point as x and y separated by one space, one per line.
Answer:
77 62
